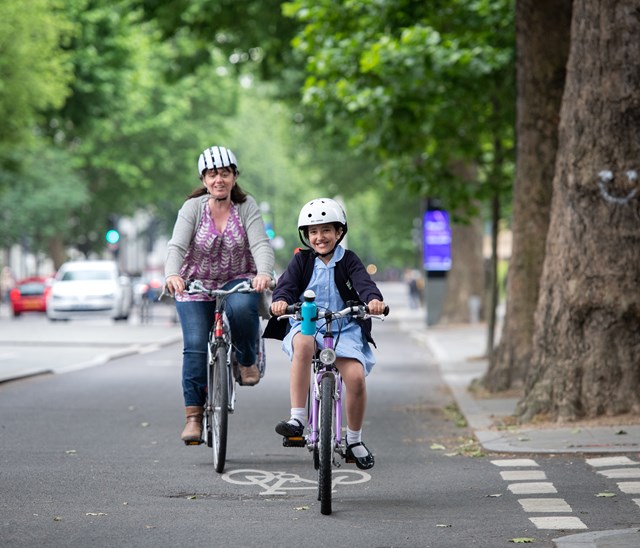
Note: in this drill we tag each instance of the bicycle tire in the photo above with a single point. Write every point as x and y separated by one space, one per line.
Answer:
219 394
326 443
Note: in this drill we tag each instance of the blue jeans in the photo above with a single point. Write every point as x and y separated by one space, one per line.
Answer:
196 319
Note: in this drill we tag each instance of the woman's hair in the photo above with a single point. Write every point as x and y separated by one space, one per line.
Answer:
238 196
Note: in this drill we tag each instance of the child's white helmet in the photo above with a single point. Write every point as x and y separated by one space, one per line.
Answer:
216 157
321 211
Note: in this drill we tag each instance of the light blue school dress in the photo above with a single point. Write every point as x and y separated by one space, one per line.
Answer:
352 343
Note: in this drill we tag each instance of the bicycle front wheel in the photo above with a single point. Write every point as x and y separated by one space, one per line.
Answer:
325 449
219 394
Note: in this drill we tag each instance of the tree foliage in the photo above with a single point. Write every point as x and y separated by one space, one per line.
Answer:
35 70
423 86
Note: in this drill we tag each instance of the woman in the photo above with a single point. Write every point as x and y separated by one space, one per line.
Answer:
220 239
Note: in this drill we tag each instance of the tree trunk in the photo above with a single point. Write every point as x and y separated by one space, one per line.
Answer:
543 36
586 346
466 277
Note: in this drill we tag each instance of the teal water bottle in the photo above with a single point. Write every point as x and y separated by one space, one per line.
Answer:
309 311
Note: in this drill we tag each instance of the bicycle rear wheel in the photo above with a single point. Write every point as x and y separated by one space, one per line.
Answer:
325 449
219 394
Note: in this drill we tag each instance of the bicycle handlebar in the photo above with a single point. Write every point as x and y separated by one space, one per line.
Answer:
355 311
194 287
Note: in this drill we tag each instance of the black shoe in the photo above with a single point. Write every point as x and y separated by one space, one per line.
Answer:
364 463
289 430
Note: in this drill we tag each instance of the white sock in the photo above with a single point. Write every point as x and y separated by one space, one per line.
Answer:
355 436
299 413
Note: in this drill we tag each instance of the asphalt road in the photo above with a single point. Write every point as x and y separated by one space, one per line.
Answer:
91 458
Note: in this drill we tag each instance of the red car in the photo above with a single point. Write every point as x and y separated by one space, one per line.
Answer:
30 295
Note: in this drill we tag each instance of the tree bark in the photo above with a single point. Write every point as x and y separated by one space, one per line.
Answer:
543 37
586 347
466 277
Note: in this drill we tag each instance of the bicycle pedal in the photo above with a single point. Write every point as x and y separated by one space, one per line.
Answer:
294 441
193 442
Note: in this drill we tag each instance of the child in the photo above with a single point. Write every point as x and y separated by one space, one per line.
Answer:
336 276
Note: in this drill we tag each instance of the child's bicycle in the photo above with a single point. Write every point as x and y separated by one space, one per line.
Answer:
222 371
324 428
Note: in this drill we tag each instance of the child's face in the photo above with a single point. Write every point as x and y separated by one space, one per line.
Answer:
323 238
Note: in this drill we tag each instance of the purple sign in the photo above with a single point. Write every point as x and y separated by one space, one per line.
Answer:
437 240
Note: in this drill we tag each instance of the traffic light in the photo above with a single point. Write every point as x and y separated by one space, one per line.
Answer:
268 227
112 236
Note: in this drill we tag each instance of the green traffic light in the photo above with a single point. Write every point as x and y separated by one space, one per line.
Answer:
112 236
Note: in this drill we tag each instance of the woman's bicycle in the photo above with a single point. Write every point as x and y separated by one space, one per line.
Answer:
324 428
223 372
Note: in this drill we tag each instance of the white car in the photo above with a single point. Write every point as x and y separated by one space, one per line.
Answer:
90 289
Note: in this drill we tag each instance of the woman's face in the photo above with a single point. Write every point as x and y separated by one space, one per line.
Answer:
323 238
219 182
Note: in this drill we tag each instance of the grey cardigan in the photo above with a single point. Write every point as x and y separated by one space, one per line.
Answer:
187 222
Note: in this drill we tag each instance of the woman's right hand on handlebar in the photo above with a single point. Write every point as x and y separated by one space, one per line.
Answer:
175 285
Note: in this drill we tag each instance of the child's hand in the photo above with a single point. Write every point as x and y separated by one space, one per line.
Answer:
278 308
376 306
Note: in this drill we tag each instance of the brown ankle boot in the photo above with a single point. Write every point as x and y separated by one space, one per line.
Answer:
192 433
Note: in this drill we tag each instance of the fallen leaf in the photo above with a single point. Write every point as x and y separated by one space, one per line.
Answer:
95 514
522 540
620 433
495 495
299 508
144 424
149 526
57 518
606 494
437 447
523 438
192 497
71 452
443 525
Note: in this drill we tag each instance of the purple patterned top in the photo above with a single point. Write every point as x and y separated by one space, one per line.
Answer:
216 258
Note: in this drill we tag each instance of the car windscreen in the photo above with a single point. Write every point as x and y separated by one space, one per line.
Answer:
30 289
84 275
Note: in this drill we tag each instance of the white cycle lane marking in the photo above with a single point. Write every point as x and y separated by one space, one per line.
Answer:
526 480
280 483
609 468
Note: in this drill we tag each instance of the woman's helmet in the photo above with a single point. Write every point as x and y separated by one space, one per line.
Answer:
318 212
216 157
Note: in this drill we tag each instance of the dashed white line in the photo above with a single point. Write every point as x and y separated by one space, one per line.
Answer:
538 505
523 475
562 522
545 505
515 462
532 488
611 461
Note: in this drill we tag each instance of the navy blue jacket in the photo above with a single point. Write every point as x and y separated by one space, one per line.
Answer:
351 278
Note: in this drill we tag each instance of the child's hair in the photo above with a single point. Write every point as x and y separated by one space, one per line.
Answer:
336 225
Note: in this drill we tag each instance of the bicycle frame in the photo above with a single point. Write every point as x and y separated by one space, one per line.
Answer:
222 373
324 427
319 371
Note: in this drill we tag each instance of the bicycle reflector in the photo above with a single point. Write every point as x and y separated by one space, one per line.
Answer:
327 356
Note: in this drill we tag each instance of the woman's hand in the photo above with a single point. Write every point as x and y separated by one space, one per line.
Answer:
174 285
376 306
261 282
278 308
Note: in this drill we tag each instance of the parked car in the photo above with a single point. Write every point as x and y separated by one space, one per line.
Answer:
83 289
29 295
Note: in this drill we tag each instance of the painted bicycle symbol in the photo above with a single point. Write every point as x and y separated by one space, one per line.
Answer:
278 483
